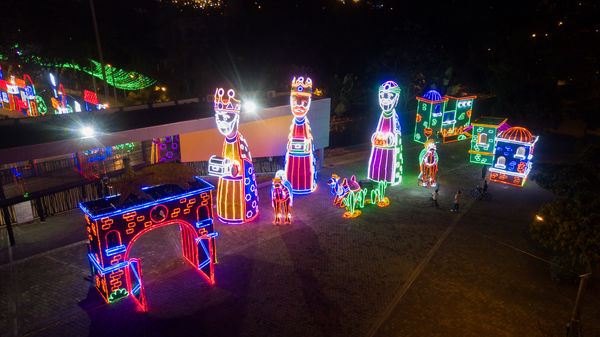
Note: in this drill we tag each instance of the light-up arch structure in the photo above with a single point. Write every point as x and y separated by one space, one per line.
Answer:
113 230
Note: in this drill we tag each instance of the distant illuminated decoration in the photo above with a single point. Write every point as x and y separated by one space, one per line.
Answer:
18 94
385 162
485 130
428 164
300 163
445 119
237 193
282 199
165 150
113 230
513 156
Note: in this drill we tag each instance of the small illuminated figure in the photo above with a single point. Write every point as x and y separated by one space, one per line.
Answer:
428 163
354 199
237 194
300 162
282 199
385 163
338 190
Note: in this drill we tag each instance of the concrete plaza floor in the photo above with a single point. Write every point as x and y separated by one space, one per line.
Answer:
403 270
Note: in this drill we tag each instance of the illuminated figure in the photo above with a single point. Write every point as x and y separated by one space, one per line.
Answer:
300 162
282 199
512 156
338 190
428 164
385 163
237 194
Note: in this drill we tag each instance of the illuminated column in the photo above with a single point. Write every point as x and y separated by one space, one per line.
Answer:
300 161
385 162
237 193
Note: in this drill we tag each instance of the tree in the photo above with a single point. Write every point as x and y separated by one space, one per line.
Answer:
570 224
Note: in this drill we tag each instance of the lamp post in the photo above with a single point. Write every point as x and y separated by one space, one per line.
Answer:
99 47
112 72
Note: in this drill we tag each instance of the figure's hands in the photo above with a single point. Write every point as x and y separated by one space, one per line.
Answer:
383 139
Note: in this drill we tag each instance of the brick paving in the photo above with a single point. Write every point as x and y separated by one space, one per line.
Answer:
322 276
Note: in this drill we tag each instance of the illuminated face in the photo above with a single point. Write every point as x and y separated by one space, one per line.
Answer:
389 93
227 122
226 112
300 103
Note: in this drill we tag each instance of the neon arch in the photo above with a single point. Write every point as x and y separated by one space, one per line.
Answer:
116 274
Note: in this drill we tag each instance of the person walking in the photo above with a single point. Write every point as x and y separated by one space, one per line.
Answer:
456 202
434 198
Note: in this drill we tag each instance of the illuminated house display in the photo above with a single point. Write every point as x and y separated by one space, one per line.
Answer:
300 162
237 194
512 156
112 230
447 118
484 131
385 162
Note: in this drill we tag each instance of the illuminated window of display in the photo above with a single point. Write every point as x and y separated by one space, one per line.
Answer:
428 165
446 119
237 193
484 131
112 230
300 162
385 161
282 199
513 156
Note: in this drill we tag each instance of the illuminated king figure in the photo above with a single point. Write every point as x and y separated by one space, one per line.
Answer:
300 162
237 194
385 163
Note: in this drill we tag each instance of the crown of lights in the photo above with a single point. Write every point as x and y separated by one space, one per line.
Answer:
390 86
228 104
302 86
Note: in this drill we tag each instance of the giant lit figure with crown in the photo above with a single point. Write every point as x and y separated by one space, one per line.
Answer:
385 163
300 162
237 194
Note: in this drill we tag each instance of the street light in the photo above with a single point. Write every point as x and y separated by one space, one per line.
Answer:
250 106
87 132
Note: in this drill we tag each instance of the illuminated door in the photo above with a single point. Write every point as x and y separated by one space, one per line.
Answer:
134 284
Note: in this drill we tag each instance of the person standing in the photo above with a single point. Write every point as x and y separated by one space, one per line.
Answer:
456 202
434 198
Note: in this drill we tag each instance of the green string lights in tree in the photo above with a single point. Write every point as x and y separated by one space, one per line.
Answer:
119 78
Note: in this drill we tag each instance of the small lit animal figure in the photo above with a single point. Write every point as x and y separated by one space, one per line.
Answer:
282 199
338 190
354 198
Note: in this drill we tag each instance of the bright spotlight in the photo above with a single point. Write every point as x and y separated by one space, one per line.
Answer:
250 107
87 131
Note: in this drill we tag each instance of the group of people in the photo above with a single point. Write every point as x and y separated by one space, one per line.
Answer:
482 190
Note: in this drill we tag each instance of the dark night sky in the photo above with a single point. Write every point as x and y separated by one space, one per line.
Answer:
485 47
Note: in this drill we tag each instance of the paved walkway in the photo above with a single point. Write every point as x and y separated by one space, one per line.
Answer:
403 270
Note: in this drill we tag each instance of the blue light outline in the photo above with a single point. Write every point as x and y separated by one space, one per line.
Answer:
148 204
104 271
115 250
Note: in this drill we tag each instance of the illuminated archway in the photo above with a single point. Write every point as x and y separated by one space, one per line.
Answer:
113 230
